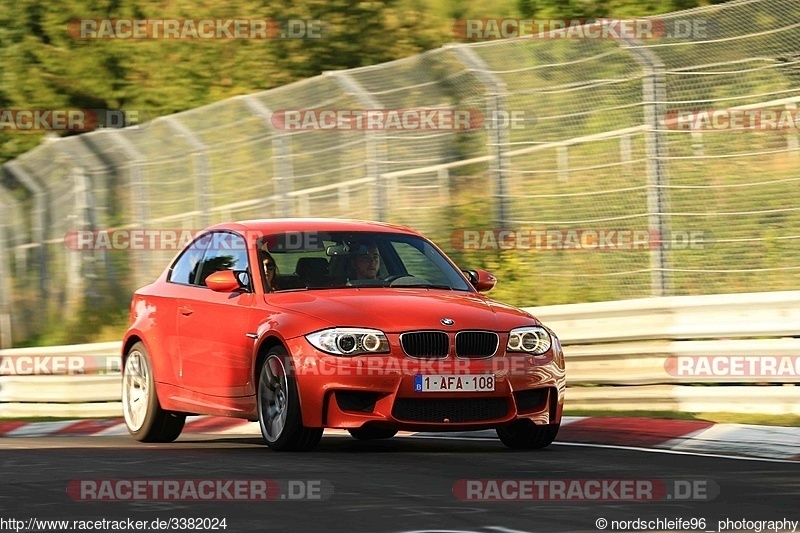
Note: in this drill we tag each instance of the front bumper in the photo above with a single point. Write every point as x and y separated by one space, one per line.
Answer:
378 390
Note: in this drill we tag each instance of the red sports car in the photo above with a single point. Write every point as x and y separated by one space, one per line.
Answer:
304 324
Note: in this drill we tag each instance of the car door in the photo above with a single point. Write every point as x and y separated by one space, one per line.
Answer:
212 326
180 285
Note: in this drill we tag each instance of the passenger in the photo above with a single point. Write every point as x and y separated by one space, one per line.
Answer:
270 271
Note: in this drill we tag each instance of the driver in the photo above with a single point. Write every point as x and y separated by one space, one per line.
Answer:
366 261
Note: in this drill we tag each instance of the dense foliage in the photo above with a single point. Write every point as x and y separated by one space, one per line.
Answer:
42 67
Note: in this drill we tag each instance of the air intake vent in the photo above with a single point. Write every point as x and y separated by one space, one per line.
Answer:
425 344
358 401
531 400
476 344
455 410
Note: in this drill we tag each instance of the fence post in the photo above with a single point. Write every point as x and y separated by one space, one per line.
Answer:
655 101
376 142
77 269
81 264
498 134
282 167
791 133
443 181
201 167
626 155
5 276
140 212
38 223
562 154
343 199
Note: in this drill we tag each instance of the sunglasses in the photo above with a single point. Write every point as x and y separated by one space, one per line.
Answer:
269 266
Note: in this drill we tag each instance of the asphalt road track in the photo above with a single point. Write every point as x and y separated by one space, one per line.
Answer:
404 484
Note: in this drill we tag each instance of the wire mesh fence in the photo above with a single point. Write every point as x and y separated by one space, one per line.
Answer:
545 202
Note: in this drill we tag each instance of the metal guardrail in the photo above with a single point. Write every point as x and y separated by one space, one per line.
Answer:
620 356
719 316
666 362
736 399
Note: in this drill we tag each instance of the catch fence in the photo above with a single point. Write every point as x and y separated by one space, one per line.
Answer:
595 151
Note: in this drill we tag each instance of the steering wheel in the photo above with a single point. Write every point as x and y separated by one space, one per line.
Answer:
394 277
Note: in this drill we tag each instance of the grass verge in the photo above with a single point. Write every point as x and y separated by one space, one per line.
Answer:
719 418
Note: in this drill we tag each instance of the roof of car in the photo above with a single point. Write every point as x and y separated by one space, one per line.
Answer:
279 225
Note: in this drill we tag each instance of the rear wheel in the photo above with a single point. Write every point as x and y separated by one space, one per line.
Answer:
279 407
525 435
146 420
372 433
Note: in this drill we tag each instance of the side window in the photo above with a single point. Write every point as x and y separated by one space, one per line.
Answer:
185 268
418 265
225 251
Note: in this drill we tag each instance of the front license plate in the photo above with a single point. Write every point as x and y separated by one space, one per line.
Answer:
461 383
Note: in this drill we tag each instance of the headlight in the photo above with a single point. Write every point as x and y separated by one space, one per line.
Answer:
534 340
349 341
558 350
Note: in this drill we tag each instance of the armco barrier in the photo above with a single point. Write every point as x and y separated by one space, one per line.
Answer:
94 392
61 410
765 314
766 400
97 358
60 389
660 362
618 358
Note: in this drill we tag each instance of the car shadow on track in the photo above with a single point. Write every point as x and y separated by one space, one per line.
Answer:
395 445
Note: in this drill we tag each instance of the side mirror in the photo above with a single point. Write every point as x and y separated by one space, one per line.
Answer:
482 280
227 281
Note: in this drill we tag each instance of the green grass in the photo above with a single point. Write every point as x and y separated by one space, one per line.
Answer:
719 418
89 327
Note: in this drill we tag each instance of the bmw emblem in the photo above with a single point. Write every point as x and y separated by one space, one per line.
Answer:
448 321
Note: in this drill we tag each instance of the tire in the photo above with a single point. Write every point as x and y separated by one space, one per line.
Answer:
372 433
525 435
279 413
144 417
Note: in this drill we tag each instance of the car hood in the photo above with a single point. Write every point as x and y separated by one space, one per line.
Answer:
396 310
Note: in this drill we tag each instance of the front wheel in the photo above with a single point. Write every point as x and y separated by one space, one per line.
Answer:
279 407
146 420
525 435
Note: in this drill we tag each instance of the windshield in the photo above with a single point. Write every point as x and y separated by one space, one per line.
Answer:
326 260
